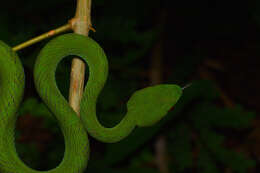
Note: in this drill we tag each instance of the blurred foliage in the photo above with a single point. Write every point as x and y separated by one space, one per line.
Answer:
196 128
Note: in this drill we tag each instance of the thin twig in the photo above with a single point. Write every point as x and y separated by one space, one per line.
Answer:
37 39
51 33
156 77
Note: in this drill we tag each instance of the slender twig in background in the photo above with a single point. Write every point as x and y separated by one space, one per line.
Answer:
204 73
155 75
156 78
161 154
82 25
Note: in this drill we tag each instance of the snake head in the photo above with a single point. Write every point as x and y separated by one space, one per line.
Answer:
151 104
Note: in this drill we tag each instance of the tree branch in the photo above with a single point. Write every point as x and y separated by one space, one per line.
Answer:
81 25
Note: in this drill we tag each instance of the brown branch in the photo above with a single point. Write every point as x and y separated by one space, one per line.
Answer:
155 76
81 25
245 148
205 74
161 154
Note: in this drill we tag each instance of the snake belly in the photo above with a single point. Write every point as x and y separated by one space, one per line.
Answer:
144 108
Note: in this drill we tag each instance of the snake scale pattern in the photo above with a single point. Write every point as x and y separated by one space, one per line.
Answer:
144 108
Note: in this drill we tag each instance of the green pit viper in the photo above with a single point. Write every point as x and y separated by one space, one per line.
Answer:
144 108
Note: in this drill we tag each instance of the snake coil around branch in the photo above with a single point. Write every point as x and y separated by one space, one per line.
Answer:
144 108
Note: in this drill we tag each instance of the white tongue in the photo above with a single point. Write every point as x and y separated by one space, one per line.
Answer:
186 86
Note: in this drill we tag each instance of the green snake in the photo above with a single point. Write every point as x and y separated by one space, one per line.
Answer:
144 108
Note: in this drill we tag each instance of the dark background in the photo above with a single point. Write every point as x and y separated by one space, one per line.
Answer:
213 45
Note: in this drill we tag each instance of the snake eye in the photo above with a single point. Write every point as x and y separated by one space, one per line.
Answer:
151 104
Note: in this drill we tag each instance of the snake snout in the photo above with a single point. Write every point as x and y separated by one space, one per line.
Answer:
151 104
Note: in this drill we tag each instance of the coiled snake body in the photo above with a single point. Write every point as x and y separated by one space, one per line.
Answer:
144 108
